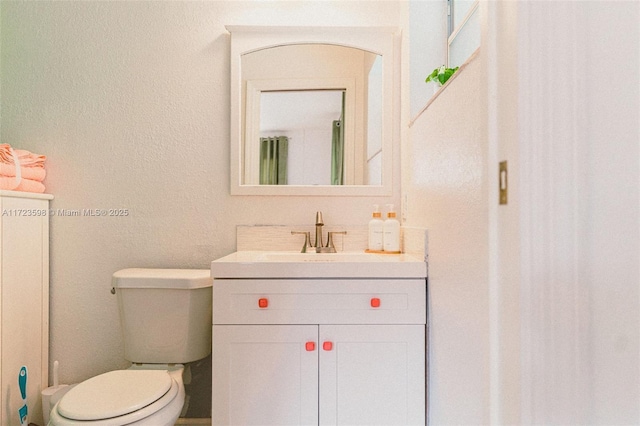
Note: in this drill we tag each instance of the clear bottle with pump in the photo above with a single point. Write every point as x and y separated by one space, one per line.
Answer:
391 232
376 230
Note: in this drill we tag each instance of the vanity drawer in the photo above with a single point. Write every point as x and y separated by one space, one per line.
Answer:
334 301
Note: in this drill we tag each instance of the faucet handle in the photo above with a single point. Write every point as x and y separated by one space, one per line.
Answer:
307 239
330 239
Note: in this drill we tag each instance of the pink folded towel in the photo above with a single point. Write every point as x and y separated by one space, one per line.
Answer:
35 173
26 185
27 159
29 167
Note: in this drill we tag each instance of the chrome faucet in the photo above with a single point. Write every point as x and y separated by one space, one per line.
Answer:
318 245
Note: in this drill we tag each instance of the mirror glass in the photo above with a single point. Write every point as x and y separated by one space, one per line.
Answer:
301 138
313 110
321 106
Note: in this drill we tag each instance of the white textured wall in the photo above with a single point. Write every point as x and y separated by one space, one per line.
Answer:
130 102
447 194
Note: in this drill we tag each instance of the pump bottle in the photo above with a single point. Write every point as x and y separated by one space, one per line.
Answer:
391 232
376 230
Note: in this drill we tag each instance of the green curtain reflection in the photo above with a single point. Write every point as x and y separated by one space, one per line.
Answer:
273 160
337 150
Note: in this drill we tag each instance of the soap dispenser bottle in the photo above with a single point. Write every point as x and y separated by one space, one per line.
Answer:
391 231
376 230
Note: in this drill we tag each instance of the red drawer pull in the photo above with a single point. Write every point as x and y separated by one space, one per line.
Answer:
327 346
263 302
310 346
375 302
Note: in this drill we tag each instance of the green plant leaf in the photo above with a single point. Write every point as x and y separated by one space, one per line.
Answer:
441 74
432 76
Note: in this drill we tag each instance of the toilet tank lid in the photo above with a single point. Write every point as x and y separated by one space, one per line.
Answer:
162 278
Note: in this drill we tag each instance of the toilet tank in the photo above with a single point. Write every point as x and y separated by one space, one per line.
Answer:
165 314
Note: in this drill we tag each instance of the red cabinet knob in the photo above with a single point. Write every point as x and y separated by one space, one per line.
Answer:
327 346
310 346
263 302
375 302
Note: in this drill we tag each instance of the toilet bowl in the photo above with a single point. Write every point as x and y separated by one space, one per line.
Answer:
143 395
166 323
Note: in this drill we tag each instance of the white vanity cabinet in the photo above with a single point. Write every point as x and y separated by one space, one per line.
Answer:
318 350
24 302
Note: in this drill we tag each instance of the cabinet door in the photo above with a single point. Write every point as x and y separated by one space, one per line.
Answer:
372 375
265 375
24 305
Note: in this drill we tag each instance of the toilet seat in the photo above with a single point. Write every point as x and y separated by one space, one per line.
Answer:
116 397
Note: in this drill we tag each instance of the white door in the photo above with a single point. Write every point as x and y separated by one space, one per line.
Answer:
372 375
265 375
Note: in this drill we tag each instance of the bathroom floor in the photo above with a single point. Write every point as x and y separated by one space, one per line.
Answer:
193 422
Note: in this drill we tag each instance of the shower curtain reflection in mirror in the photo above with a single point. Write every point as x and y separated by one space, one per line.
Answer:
337 149
273 160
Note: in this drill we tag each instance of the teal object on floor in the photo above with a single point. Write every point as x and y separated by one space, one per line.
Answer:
22 383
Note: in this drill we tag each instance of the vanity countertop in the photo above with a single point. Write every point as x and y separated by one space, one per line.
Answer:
284 264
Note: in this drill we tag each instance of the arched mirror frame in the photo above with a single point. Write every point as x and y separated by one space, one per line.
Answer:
379 40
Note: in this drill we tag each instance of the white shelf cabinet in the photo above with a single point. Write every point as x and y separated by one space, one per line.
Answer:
319 352
24 302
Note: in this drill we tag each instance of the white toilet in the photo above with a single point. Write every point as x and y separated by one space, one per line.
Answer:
166 321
